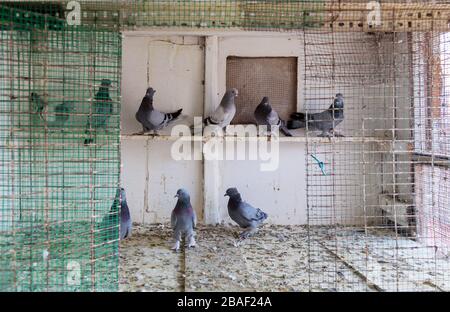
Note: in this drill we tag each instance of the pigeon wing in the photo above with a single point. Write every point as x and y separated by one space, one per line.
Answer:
194 219
218 116
248 212
156 118
173 220
273 118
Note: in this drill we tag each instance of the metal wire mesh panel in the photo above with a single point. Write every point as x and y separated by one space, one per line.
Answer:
377 177
375 196
59 154
284 14
256 77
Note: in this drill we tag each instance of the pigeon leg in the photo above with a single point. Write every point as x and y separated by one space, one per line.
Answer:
191 240
176 246
177 237
337 134
144 130
250 231
325 134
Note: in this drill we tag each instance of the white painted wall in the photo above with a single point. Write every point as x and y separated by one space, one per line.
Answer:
280 193
176 66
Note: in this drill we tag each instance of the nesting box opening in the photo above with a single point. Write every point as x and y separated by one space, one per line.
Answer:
256 77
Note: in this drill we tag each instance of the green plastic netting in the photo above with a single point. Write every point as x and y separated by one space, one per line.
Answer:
59 154
60 136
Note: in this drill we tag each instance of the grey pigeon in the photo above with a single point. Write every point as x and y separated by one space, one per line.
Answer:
101 112
110 220
325 121
125 217
224 113
183 219
245 215
266 116
38 103
62 113
152 119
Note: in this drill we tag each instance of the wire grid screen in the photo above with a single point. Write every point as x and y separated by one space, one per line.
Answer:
280 14
256 77
379 208
58 217
274 15
380 205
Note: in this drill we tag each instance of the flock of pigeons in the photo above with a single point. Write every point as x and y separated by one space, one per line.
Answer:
183 218
154 120
98 118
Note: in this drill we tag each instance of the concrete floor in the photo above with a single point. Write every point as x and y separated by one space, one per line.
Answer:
276 259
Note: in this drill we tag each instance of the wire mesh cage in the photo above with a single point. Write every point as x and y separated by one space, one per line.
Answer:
377 185
384 180
59 167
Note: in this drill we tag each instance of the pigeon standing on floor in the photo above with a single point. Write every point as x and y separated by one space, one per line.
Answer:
183 220
152 119
37 103
125 216
224 113
120 202
101 111
245 215
265 115
325 121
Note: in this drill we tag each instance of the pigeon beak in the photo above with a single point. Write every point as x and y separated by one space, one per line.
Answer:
175 196
225 194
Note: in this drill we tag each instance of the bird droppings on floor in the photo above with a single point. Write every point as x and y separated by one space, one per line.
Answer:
277 258
146 261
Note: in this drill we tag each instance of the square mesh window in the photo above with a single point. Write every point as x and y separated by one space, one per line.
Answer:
257 77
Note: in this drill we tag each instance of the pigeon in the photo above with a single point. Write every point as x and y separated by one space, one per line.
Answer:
38 103
62 113
224 113
245 215
183 220
124 217
266 116
101 112
325 121
152 119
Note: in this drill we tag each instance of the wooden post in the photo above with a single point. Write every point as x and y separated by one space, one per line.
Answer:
211 172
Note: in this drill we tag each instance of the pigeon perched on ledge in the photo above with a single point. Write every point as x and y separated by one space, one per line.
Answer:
224 113
325 121
152 119
265 115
